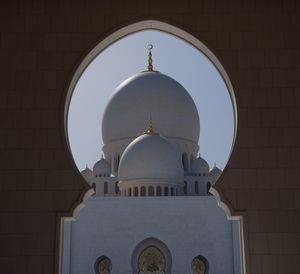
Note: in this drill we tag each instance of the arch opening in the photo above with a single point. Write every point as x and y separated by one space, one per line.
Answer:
151 256
103 265
151 24
200 265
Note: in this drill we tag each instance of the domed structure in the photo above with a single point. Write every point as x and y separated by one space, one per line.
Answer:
214 174
102 168
87 174
150 160
151 164
200 167
173 109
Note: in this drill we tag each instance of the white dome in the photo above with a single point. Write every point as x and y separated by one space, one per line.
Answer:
200 166
102 168
87 174
215 173
172 108
151 158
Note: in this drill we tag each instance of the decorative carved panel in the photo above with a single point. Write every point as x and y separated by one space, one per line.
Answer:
198 266
104 266
151 261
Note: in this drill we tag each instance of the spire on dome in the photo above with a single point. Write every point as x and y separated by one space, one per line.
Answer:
150 66
150 129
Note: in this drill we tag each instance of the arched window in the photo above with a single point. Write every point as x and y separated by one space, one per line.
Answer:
151 256
103 265
105 188
151 261
176 191
208 186
196 187
166 191
129 193
185 187
158 191
185 161
143 191
136 191
199 265
116 187
172 191
151 191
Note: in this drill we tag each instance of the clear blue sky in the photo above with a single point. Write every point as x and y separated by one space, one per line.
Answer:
171 56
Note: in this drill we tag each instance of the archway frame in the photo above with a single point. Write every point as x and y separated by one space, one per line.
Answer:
99 260
151 241
89 57
204 260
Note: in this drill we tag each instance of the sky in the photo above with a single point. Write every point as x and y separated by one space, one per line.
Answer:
171 56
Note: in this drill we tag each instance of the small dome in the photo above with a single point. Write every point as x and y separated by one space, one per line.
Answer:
200 166
102 168
215 173
87 174
151 158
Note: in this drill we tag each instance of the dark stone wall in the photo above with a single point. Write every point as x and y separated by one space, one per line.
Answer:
41 44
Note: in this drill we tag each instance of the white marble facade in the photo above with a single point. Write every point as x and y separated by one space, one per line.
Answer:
188 226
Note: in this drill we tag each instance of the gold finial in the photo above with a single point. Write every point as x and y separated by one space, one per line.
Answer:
150 129
150 66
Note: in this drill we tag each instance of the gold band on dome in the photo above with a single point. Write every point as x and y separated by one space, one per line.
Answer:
150 66
150 130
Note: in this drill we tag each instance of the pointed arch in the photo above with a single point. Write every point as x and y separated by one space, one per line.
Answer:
151 242
103 265
200 265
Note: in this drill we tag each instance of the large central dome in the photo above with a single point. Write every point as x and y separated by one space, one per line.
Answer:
150 92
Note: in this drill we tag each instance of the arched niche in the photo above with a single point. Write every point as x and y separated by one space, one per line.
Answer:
156 244
103 265
200 265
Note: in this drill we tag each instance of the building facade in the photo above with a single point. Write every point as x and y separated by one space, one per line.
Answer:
152 212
